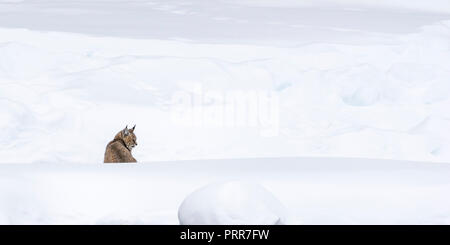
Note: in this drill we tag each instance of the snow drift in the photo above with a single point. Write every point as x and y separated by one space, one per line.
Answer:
312 190
231 203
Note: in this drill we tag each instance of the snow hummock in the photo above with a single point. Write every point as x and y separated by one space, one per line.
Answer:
231 203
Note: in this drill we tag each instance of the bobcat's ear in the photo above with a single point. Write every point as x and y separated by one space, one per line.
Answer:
132 129
125 131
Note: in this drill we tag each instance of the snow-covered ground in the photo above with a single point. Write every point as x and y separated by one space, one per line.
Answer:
341 78
313 191
351 82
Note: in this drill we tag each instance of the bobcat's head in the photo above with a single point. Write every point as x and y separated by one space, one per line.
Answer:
128 137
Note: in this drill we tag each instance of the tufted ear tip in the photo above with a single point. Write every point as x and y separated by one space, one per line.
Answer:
132 129
126 131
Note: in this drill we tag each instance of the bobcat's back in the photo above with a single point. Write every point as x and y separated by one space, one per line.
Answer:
117 152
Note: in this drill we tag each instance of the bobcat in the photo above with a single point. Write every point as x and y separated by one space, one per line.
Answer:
119 149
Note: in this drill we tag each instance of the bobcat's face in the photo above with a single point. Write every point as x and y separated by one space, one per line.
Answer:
129 138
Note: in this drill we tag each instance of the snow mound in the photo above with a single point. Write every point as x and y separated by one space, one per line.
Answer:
231 203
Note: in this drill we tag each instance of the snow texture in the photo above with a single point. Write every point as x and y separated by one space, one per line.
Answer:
231 203
350 83
312 190
356 80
